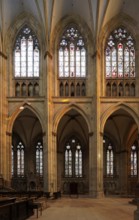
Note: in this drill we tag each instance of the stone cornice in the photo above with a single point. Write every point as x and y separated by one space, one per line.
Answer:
119 100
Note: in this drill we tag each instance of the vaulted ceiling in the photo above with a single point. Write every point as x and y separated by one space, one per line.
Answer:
96 13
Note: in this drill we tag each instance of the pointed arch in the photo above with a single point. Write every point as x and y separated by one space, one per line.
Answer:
14 114
62 112
120 20
63 23
114 108
20 21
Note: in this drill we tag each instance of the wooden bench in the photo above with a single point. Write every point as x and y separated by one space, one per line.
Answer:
38 206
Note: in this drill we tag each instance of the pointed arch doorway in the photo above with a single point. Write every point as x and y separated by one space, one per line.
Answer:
27 152
73 154
120 145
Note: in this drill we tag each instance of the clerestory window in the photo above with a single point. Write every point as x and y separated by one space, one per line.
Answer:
120 63
72 54
26 54
72 63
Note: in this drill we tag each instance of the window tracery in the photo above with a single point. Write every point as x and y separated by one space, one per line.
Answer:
120 63
73 159
20 159
39 159
72 63
26 54
133 160
109 161
26 62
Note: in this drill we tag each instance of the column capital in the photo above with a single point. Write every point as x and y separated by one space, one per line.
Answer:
47 53
101 134
8 133
3 55
54 133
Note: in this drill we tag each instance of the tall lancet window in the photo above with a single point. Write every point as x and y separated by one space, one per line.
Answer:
39 159
134 161
68 161
78 161
73 158
120 63
12 161
20 159
109 161
26 54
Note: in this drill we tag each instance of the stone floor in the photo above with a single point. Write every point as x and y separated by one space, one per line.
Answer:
87 209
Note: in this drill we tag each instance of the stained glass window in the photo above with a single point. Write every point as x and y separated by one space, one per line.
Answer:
73 159
78 161
109 161
134 161
12 161
68 161
72 54
26 54
39 159
120 55
20 159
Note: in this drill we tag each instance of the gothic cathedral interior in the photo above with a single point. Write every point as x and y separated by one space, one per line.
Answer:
69 96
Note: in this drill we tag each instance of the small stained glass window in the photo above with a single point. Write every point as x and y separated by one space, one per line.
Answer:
73 158
109 160
39 159
68 161
134 160
20 159
12 161
78 161
26 54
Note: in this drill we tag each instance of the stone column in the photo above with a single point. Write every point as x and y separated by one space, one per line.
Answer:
4 149
9 158
45 163
50 166
92 167
136 71
100 158
53 182
50 154
123 171
95 166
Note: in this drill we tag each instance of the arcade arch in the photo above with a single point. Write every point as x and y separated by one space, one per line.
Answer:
120 133
72 133
27 152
